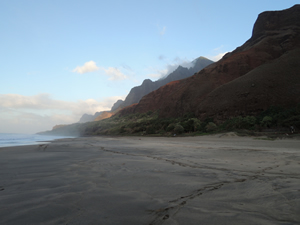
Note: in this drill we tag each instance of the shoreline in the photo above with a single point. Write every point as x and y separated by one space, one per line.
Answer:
13 140
218 178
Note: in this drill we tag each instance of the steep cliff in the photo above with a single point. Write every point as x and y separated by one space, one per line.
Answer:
262 72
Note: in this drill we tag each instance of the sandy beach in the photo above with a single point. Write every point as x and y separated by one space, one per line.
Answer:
220 179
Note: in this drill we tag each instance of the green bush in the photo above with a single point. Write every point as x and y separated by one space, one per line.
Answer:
122 129
150 130
170 127
266 121
247 122
161 124
211 127
191 125
178 129
138 129
197 124
149 113
292 121
240 122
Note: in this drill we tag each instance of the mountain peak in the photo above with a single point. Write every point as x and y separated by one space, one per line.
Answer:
180 67
275 20
147 81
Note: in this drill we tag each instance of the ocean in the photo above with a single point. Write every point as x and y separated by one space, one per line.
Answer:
10 139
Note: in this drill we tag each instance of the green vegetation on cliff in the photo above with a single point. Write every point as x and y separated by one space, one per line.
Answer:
274 118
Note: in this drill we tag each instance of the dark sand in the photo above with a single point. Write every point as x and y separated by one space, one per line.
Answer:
221 179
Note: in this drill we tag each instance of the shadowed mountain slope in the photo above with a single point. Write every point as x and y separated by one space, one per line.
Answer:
262 72
148 86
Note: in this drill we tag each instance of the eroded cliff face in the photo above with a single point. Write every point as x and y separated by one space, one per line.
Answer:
260 73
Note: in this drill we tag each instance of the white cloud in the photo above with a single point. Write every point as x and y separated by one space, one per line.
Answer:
86 68
114 74
169 67
218 49
218 56
158 73
31 114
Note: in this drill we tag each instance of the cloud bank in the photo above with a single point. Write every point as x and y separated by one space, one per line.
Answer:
31 114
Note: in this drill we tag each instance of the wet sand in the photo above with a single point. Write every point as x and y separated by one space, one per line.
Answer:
221 179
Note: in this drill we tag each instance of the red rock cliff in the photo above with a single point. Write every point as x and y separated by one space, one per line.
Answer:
262 72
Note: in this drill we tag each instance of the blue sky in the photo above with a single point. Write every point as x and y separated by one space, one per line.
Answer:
62 58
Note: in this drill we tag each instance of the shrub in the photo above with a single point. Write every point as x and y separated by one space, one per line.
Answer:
138 129
187 126
122 129
248 122
170 127
178 129
150 130
149 113
239 122
193 124
162 123
188 115
211 127
197 124
266 121
292 121
233 123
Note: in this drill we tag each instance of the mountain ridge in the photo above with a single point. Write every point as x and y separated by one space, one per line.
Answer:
147 86
195 94
136 93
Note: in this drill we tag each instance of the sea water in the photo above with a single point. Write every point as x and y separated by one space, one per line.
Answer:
10 139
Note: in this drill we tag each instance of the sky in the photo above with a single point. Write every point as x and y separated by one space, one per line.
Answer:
60 59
